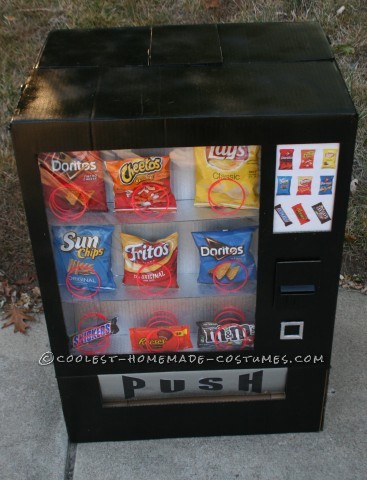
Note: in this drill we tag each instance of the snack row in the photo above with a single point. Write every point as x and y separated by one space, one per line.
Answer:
162 332
300 211
304 185
306 158
83 255
74 182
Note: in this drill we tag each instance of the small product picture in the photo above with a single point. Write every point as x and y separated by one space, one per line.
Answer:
83 258
284 185
225 256
304 185
72 183
326 185
150 264
227 176
300 213
142 184
329 158
307 158
286 159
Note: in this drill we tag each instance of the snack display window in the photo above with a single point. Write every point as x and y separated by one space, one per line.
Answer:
187 215
155 250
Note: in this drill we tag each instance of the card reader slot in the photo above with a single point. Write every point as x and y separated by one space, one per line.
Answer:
308 289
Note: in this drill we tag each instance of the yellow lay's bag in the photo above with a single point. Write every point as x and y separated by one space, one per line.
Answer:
227 176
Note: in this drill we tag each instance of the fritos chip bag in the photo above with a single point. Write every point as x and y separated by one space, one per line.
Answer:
150 264
83 257
142 184
227 176
226 255
72 181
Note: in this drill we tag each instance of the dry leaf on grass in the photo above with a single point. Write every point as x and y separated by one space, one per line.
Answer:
27 280
16 316
5 288
212 3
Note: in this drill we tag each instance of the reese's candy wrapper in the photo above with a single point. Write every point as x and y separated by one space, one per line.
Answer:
321 212
304 185
307 158
280 211
300 213
284 185
142 183
326 185
329 158
165 338
214 336
150 264
83 257
286 158
72 182
227 176
225 255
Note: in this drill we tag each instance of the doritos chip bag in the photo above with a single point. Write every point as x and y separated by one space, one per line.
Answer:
83 257
227 176
142 183
225 256
72 183
150 264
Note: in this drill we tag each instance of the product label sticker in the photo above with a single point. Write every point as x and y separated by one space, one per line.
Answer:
304 195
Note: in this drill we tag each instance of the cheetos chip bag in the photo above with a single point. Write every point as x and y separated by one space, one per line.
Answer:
227 176
150 264
142 184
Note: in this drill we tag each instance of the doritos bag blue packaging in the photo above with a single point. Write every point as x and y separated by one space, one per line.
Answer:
225 257
83 257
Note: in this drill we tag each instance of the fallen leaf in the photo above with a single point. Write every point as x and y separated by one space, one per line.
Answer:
25 280
16 316
348 237
212 3
5 288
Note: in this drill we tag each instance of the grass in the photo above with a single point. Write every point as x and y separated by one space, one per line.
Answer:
24 25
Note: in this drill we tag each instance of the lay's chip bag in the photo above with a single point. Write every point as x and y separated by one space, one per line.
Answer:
142 183
227 176
225 256
150 264
83 257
